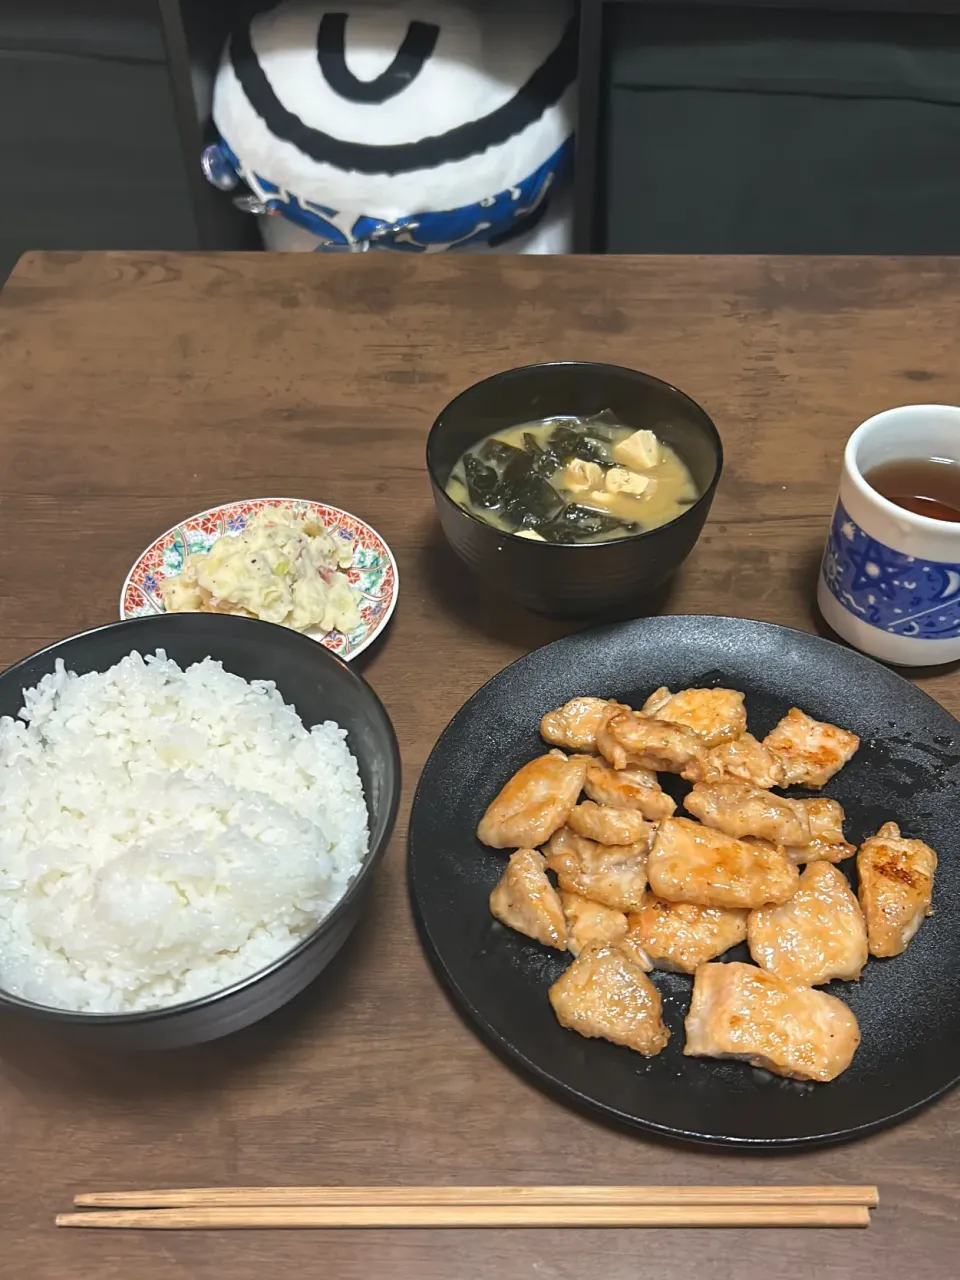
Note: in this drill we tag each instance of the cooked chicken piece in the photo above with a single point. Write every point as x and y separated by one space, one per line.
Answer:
896 888
739 1011
811 751
566 844
738 809
811 830
680 936
826 818
525 900
631 776
744 758
630 788
606 994
691 863
827 842
613 875
633 738
820 851
590 922
817 936
534 803
616 755
608 825
575 724
715 715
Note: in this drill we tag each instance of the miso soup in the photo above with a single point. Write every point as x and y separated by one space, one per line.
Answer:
573 480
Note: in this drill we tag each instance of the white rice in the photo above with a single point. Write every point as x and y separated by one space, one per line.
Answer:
164 833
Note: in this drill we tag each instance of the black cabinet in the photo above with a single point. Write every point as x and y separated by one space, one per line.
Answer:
766 128
92 156
100 134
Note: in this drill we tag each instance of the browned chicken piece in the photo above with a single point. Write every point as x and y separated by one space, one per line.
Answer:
744 759
680 936
811 751
896 888
817 936
632 738
565 844
738 810
615 754
590 922
691 863
827 842
525 900
630 788
534 803
715 715
605 994
575 724
609 826
613 875
739 1011
811 830
826 818
820 851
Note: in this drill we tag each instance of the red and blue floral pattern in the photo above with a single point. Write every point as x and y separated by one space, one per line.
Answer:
374 570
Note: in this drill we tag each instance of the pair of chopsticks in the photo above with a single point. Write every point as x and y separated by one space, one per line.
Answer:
242 1207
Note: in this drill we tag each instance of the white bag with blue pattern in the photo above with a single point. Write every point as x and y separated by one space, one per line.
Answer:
414 125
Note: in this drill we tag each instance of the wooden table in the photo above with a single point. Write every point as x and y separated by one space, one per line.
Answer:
135 389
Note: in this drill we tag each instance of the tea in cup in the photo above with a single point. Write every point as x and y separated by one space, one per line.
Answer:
890 577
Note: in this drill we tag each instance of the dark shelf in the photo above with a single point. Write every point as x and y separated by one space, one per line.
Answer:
719 127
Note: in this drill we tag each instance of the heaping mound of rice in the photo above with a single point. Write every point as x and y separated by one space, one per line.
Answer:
164 833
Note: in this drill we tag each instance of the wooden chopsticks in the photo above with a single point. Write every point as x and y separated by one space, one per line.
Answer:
305 1207
226 1197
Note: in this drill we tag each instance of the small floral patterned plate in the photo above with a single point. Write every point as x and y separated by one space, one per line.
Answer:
374 569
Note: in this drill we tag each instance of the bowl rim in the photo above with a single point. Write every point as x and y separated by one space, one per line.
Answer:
374 854
598 366
313 502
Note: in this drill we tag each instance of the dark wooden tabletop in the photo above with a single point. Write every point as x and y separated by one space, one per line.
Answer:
138 388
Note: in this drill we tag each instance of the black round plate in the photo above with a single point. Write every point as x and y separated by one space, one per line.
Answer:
907 769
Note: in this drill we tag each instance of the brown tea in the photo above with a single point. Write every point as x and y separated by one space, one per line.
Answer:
925 486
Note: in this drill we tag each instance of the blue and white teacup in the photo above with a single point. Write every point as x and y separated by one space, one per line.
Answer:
890 579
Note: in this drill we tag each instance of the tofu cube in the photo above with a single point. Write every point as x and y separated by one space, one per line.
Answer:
620 480
580 475
598 500
639 451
